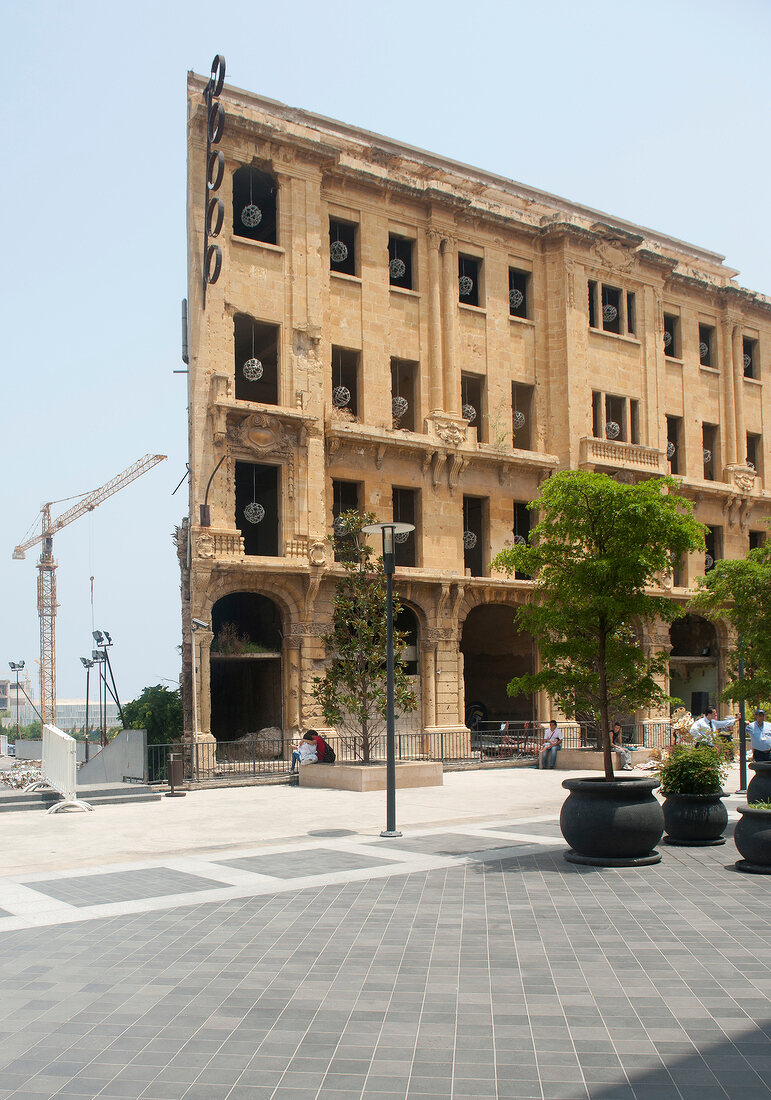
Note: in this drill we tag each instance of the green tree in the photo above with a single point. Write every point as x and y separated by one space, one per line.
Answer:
157 710
352 691
739 593
597 556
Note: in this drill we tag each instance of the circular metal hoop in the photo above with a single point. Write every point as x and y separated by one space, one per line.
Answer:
216 123
217 78
215 169
213 263
341 395
215 216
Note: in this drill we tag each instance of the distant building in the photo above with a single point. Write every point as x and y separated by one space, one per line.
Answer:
396 332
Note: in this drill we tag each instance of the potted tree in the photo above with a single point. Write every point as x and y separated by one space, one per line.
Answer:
691 778
598 557
752 837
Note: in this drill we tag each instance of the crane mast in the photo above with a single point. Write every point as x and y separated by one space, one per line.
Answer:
46 580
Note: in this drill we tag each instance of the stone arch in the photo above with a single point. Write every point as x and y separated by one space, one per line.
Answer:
694 662
494 651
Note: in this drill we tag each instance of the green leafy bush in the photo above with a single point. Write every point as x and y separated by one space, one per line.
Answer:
692 769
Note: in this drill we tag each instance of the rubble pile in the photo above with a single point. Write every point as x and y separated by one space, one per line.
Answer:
20 774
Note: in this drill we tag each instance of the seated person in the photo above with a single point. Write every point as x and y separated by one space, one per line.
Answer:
305 752
319 742
551 745
616 743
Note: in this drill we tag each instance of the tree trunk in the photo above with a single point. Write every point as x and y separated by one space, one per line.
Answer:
365 745
607 754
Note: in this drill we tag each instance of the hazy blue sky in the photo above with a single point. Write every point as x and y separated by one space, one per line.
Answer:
656 112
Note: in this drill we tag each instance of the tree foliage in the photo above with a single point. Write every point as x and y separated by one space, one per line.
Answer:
352 691
738 592
159 711
598 555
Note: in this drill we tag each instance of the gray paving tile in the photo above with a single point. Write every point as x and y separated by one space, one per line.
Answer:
312 861
117 886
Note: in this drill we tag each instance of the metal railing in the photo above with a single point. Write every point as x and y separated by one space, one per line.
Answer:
488 742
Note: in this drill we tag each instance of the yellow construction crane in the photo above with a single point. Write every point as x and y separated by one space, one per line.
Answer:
46 581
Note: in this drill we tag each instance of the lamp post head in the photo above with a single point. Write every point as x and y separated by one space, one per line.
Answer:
199 624
16 666
86 662
388 530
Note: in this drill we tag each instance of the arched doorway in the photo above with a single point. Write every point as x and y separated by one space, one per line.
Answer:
693 663
494 651
246 679
407 622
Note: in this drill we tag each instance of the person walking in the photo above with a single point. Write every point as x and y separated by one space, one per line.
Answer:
552 743
760 733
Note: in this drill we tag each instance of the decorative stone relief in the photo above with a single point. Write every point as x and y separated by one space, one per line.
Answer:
205 546
450 432
439 459
742 477
317 554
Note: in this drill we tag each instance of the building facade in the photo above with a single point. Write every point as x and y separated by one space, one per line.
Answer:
396 332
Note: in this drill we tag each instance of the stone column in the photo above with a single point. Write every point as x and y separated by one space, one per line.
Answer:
428 684
738 371
434 322
202 640
452 394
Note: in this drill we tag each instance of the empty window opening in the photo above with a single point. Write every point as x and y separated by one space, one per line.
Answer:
707 346
611 309
246 680
257 508
469 270
521 529
519 293
471 394
346 497
405 511
473 536
403 394
254 205
615 418
522 416
674 444
750 352
406 622
342 246
714 542
671 336
400 261
345 380
754 452
709 445
592 304
631 319
256 360
757 539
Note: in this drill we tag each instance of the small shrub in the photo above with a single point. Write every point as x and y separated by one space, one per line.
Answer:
692 770
761 805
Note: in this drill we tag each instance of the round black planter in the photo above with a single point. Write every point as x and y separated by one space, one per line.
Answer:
752 837
759 787
695 820
612 824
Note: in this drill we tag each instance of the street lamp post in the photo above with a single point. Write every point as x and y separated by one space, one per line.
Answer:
17 666
87 665
388 531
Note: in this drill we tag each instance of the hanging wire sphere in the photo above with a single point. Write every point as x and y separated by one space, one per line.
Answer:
469 413
341 395
749 465
709 561
402 536
465 286
254 512
516 298
747 362
612 430
667 339
469 540
339 527
252 370
518 420
520 540
703 350
671 450
399 406
609 313
251 215
338 252
397 268
707 456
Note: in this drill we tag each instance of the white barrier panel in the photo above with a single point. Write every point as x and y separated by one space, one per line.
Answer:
59 768
3 744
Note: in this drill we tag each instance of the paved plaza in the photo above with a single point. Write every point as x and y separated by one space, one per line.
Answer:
267 943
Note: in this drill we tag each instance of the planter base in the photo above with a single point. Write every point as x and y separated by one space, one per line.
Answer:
599 861
370 777
752 868
694 843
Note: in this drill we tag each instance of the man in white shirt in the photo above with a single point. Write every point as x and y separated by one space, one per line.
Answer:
704 730
760 732
552 742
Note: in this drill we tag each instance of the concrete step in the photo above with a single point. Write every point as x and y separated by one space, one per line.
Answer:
110 794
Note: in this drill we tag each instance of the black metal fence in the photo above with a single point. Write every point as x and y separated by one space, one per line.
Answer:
488 742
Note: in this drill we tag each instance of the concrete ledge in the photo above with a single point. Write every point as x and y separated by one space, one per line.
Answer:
370 777
588 760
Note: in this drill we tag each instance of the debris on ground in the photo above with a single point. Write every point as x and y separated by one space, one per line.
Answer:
20 774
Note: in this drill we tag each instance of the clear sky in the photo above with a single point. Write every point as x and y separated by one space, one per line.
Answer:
655 112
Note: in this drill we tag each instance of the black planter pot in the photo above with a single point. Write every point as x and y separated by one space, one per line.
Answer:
695 820
759 787
612 824
752 837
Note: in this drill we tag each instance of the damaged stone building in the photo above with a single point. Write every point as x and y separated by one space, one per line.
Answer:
382 328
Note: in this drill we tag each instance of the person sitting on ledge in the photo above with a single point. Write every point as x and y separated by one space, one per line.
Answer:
319 742
306 751
616 743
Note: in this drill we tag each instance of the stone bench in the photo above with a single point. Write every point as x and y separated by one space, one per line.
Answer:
371 777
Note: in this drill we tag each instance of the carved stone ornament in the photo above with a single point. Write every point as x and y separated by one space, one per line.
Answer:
205 546
317 553
263 434
743 478
450 432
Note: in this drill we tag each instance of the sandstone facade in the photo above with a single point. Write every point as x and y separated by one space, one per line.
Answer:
523 333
